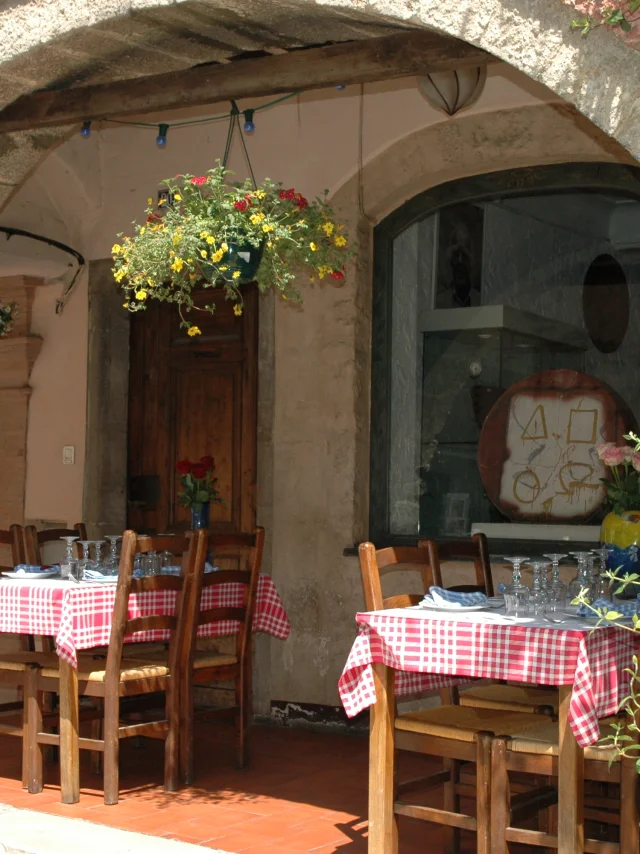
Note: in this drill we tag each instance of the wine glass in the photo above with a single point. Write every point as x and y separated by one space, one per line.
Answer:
68 564
581 581
516 594
112 563
556 589
97 545
85 561
539 599
152 563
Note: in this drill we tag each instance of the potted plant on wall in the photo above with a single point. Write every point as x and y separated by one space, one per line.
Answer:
199 489
216 233
8 313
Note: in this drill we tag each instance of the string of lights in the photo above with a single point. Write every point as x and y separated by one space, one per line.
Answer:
163 128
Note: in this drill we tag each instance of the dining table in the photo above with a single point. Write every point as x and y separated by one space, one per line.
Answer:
78 616
411 651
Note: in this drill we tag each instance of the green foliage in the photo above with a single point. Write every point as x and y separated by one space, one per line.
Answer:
195 240
617 17
8 313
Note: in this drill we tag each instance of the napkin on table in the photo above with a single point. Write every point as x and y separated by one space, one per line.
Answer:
627 609
441 597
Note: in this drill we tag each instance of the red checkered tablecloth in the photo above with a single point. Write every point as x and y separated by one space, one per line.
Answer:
79 616
428 654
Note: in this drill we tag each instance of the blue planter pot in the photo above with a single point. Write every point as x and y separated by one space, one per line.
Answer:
200 516
242 258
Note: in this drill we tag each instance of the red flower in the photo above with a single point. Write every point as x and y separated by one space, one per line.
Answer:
240 206
248 199
183 467
336 274
199 181
198 471
301 202
288 195
207 462
154 218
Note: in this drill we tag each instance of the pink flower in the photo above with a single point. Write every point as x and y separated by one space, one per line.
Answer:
613 456
603 447
635 461
199 181
628 453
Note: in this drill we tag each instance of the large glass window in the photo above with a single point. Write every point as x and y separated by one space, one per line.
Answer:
478 284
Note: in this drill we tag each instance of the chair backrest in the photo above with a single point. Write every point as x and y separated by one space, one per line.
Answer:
35 539
374 564
245 552
14 538
474 548
192 550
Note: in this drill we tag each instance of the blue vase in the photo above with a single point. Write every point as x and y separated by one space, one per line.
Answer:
242 258
200 515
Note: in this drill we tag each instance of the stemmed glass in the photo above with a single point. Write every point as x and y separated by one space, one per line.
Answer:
539 599
112 563
581 581
98 544
516 594
556 589
68 564
601 586
85 561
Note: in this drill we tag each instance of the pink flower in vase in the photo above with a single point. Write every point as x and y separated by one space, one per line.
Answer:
635 461
600 449
613 456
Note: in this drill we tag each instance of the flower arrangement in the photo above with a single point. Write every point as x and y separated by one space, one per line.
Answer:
8 313
198 483
623 489
211 233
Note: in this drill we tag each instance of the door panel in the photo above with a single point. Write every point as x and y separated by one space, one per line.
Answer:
188 398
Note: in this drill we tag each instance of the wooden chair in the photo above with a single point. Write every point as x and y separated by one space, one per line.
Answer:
515 698
245 550
14 539
116 677
22 676
34 539
535 752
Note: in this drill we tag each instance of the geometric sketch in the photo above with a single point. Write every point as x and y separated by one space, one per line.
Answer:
536 426
583 426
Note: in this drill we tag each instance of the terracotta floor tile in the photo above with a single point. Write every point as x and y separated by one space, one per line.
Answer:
235 842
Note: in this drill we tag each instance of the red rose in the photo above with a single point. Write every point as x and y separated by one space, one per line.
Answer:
183 467
207 462
198 471
199 181
240 206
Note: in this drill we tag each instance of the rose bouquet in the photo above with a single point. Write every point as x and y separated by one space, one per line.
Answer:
623 488
199 484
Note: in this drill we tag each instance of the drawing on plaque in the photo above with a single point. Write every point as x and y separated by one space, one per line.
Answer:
583 426
536 426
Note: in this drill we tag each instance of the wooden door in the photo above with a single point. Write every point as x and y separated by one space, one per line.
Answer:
189 398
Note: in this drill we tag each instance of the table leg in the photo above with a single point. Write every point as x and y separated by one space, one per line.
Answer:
383 830
570 782
69 747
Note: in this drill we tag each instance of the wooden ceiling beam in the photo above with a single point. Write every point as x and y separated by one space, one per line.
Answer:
384 58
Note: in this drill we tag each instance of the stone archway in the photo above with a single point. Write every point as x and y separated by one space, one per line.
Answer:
48 42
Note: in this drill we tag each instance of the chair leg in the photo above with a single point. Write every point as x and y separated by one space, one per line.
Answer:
33 723
500 800
97 725
187 762
483 792
629 836
243 713
111 748
172 742
451 804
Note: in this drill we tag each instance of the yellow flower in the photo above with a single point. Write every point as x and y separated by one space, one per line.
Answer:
203 253
189 260
313 278
224 247
141 294
269 245
162 202
210 240
149 201
125 305
116 249
150 282
193 330
224 268
328 228
178 198
204 234
176 239
119 275
143 229
312 246
237 309
256 218
217 256
259 194
192 276
236 274
177 265
339 240
268 227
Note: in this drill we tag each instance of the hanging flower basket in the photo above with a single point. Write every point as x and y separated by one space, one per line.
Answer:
220 234
8 313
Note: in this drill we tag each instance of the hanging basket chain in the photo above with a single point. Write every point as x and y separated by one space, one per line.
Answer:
234 122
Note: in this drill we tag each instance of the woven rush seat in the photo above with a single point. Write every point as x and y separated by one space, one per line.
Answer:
461 723
511 698
89 670
543 740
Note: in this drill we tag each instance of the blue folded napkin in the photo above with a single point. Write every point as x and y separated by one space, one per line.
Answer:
627 609
500 589
440 597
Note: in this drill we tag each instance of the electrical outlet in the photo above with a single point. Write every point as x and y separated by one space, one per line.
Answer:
68 455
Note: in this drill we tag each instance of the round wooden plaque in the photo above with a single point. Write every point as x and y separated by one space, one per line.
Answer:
537 452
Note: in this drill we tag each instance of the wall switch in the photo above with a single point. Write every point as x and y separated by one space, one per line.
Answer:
68 455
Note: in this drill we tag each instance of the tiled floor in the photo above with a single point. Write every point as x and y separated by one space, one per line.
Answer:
305 791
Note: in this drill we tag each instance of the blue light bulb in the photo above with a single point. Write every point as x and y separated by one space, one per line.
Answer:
85 130
161 139
249 125
340 87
